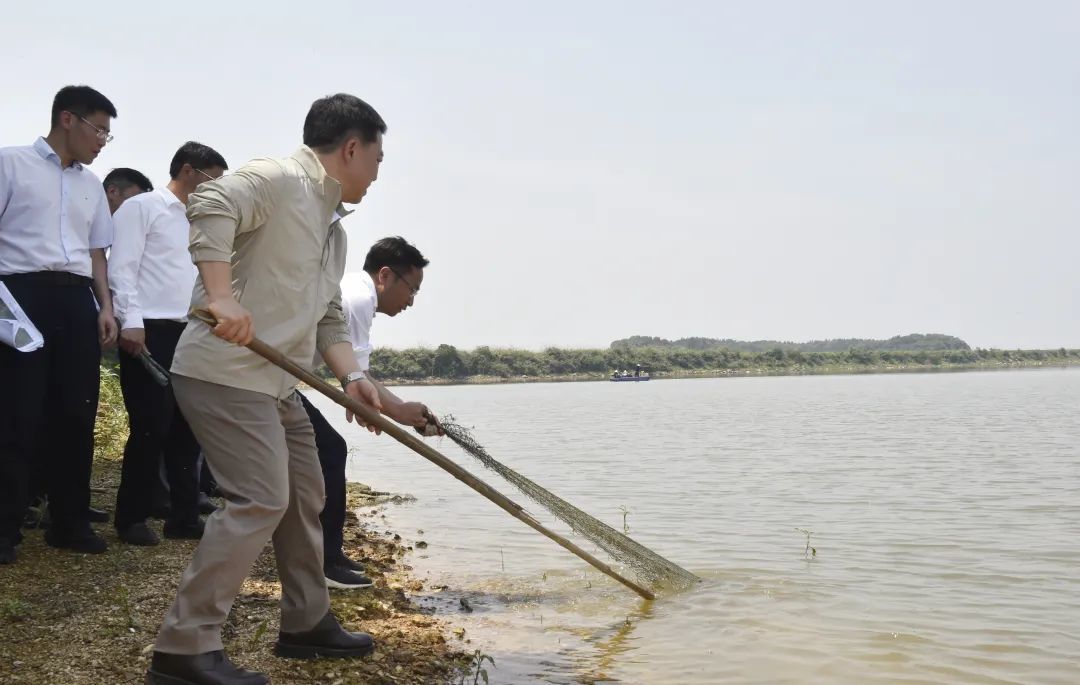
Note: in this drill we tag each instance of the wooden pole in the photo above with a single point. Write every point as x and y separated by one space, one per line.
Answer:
372 417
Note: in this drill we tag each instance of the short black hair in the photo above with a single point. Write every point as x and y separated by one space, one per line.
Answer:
335 118
123 178
199 156
80 100
394 252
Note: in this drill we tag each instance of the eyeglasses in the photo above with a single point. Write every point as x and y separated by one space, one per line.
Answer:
208 176
102 135
413 291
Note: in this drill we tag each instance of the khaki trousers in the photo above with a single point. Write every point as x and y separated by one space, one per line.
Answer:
262 452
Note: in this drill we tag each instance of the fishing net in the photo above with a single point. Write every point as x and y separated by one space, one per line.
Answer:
649 567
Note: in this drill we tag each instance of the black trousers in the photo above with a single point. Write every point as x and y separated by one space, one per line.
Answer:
332 455
161 497
49 401
157 429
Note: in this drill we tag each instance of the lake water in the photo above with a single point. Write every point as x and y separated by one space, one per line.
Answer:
944 509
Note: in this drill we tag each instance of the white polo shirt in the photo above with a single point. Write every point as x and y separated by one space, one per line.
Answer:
50 217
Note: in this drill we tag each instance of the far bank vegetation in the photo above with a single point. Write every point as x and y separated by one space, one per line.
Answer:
703 356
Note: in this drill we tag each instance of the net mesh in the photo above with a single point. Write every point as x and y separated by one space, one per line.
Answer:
647 566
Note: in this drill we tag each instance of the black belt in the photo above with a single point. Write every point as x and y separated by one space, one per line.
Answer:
163 323
49 278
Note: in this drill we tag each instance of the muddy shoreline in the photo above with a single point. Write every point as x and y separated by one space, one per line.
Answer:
88 619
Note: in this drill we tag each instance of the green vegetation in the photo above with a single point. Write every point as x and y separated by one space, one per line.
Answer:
911 343
476 668
111 429
14 610
449 364
810 551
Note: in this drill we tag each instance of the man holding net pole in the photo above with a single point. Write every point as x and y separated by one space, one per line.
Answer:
270 250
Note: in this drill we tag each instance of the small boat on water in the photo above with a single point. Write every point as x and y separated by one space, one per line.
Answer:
639 373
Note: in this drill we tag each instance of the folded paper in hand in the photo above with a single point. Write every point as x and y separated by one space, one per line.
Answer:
16 329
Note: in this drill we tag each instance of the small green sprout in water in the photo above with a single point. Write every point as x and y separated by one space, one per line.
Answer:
476 668
625 512
810 551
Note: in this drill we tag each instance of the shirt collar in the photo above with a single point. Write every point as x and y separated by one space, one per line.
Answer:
42 147
328 187
370 283
170 198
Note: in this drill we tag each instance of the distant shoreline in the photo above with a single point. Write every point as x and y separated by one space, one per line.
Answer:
836 370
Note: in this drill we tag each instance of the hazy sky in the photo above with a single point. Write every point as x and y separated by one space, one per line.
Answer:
583 171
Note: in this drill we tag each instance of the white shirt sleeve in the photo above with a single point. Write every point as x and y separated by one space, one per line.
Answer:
359 303
101 230
360 334
124 261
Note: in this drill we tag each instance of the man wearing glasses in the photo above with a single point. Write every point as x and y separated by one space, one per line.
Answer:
152 277
390 281
54 228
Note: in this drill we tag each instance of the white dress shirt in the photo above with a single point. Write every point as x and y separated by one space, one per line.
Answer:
359 300
50 217
150 269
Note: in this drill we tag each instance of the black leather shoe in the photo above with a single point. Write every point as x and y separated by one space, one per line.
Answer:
342 577
86 541
210 668
326 639
206 507
7 552
350 564
180 530
139 534
97 515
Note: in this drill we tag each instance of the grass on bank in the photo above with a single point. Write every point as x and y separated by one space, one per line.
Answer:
91 619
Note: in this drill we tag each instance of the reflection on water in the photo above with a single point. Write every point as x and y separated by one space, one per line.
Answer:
945 510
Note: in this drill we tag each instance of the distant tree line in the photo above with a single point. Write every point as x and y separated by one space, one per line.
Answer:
446 362
449 363
913 342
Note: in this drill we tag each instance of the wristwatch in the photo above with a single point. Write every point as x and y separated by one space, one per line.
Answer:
350 377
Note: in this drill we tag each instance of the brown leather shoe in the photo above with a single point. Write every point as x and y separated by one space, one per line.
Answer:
327 639
209 668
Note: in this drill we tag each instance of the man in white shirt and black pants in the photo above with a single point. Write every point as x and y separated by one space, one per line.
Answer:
152 277
393 271
54 228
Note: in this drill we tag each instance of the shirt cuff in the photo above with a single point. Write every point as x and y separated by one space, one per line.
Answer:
131 320
363 359
209 254
322 342
212 238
